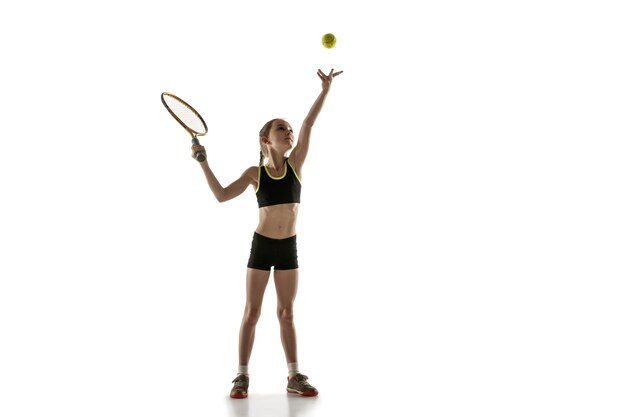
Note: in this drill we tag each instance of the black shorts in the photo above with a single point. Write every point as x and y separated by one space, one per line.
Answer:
278 253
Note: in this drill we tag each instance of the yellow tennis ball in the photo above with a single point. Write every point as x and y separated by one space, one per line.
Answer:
329 40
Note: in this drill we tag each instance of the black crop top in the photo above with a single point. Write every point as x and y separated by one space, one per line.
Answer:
278 190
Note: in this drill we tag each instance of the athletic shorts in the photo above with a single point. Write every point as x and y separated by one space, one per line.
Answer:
278 253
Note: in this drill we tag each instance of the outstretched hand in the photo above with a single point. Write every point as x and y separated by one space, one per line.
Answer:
327 79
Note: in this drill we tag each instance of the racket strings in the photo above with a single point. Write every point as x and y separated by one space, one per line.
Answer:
185 114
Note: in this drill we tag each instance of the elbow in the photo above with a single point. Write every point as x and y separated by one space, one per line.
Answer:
222 197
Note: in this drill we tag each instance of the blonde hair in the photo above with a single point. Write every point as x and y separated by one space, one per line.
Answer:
265 131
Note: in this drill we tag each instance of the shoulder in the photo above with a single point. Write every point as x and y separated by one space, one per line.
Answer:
252 173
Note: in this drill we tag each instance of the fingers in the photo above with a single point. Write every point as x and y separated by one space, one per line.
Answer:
330 75
196 149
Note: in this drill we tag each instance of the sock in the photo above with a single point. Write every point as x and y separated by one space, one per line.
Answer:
293 369
242 370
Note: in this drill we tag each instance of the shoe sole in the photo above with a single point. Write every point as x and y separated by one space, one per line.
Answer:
238 395
302 394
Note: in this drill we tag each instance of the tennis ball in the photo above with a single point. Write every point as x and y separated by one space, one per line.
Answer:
329 40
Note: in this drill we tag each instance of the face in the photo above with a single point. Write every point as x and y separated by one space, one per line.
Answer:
281 135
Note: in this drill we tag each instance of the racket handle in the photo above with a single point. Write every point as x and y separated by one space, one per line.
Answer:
200 156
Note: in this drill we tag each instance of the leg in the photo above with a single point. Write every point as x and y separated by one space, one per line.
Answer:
256 281
286 287
286 282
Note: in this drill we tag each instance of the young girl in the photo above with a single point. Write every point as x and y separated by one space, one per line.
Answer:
276 182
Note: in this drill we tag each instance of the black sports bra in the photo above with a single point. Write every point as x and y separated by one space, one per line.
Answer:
278 190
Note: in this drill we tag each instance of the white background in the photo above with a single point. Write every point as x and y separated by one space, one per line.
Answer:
461 232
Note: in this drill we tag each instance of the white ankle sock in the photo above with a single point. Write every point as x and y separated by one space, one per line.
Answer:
242 370
292 367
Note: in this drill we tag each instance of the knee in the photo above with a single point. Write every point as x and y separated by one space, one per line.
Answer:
285 314
252 314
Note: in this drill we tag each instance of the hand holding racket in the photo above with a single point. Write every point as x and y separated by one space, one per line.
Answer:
188 118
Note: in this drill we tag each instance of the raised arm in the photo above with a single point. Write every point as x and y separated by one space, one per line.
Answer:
298 155
237 187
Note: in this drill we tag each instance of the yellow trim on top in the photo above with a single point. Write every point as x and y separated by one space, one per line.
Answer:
294 171
258 179
277 178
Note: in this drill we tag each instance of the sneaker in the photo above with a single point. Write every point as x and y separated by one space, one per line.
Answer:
299 385
240 389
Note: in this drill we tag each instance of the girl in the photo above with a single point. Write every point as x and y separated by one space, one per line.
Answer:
276 182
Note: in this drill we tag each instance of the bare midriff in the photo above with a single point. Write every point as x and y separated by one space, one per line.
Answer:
278 221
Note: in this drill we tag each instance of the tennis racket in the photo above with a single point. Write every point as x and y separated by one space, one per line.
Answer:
188 118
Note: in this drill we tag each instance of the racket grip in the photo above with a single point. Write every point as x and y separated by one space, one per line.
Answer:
200 156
